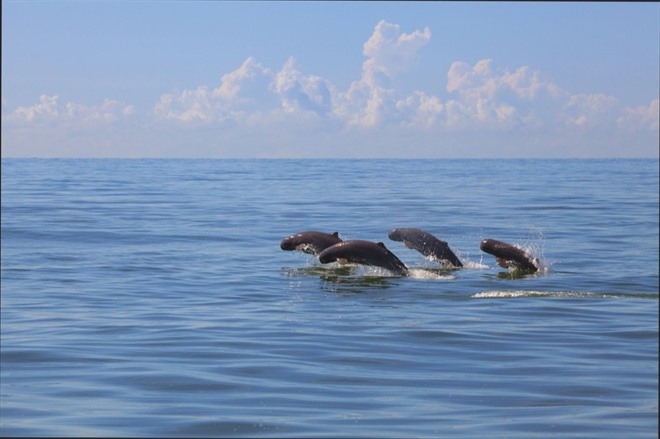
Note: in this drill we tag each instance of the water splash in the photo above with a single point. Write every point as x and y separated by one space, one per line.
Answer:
475 265
371 271
531 241
533 244
430 274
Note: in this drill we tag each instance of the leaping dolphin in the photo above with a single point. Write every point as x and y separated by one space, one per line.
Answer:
508 256
365 253
310 242
426 244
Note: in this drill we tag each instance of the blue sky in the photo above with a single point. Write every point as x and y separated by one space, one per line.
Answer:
329 79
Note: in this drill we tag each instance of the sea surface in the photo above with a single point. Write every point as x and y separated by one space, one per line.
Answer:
151 298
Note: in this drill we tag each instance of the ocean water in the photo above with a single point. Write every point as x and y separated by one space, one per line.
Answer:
151 298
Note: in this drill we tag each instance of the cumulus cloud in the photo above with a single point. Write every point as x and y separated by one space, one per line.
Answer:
420 110
390 52
490 97
479 98
46 108
370 101
217 105
300 92
481 81
187 106
110 111
640 118
232 83
590 110
49 108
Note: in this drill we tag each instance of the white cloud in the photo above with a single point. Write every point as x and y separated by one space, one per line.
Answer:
390 52
371 101
481 81
259 104
50 109
232 83
228 100
189 105
498 98
110 111
420 110
640 118
300 92
366 103
47 107
590 110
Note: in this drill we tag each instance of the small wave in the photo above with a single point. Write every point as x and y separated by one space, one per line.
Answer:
510 294
557 294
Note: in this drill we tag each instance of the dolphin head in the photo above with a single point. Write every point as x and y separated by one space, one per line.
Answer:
488 245
290 242
395 235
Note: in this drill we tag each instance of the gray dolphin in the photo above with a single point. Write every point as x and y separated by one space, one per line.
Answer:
508 256
426 244
310 242
365 253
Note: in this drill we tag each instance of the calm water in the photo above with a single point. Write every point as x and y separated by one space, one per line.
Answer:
151 298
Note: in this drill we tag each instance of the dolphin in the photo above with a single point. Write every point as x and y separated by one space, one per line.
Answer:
509 256
365 253
426 244
310 242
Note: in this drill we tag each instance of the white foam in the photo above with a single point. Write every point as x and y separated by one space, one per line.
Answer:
520 293
372 271
415 273
475 265
420 273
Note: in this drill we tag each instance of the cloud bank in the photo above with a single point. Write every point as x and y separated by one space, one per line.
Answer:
257 110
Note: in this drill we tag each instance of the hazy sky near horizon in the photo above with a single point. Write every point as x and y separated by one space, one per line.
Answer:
329 79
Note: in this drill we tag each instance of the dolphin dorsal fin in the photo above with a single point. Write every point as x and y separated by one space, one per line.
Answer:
335 234
380 244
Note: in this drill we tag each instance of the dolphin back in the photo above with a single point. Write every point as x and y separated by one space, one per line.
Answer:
311 242
508 255
426 244
365 253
